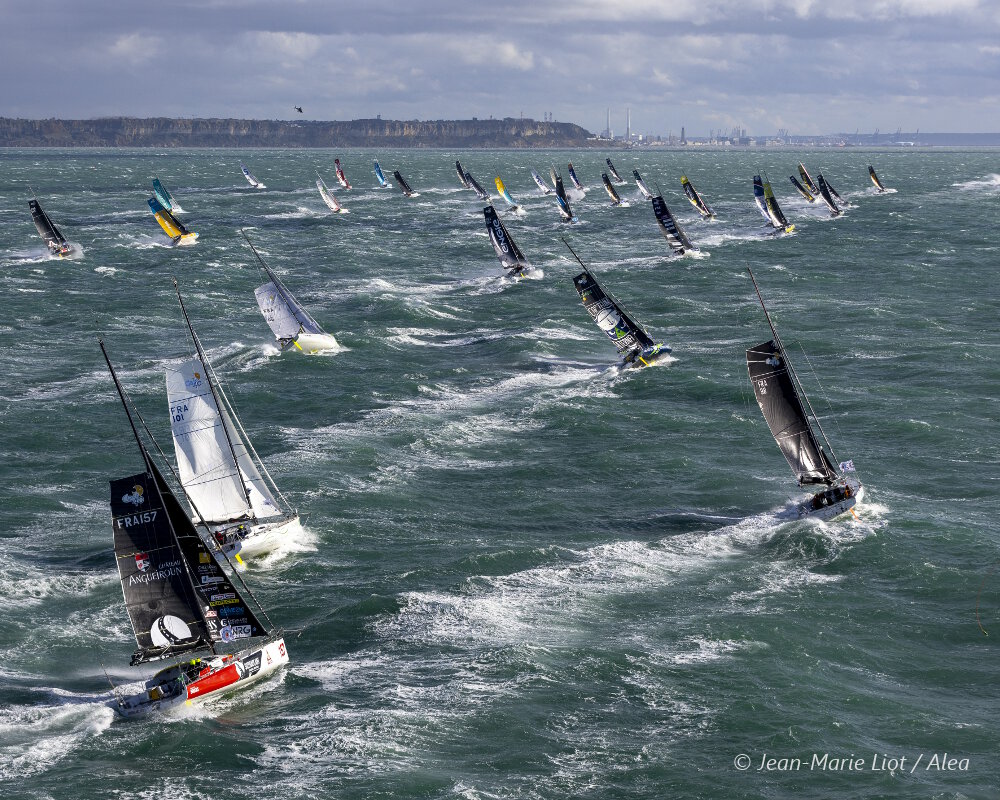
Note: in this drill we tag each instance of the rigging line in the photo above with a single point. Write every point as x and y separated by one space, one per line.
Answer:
979 594
825 396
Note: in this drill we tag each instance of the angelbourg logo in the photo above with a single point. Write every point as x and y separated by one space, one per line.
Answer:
136 497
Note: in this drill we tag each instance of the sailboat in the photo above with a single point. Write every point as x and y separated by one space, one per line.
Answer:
507 251
616 199
632 340
614 173
291 324
461 174
671 231
512 205
564 210
642 185
540 183
54 240
178 234
340 174
474 185
768 206
256 184
826 192
802 190
166 200
832 190
182 603
780 396
382 182
572 177
404 185
696 200
875 180
807 181
226 483
332 203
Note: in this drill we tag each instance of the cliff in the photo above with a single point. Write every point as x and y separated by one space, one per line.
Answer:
163 132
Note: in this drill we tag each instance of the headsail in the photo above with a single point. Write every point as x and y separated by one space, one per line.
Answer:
760 198
671 231
834 191
774 210
461 174
826 193
695 198
612 193
507 251
614 173
165 198
474 185
340 174
378 174
572 177
403 184
802 190
627 335
875 180
256 184
807 180
642 185
540 183
47 230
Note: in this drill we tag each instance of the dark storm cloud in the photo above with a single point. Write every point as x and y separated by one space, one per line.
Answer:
765 64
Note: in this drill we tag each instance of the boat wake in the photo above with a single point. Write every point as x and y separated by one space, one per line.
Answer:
990 183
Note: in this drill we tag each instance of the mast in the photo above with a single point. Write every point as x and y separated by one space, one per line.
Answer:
274 279
788 363
215 396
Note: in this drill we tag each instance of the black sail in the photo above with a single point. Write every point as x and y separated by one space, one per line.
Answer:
613 171
642 185
461 174
671 231
825 192
875 180
627 335
402 183
507 251
785 416
615 198
474 185
802 190
564 209
48 231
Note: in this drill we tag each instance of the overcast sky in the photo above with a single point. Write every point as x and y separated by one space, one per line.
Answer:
809 66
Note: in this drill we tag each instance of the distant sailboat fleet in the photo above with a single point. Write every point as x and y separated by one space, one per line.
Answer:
181 569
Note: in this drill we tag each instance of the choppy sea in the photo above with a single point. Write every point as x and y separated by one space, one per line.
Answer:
524 573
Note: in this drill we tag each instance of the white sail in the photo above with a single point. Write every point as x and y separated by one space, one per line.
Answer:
277 313
215 469
328 198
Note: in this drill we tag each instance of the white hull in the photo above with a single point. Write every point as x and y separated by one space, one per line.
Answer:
817 508
314 343
195 681
257 540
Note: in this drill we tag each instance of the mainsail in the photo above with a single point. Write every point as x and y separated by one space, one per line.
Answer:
507 251
564 210
671 231
461 174
340 174
642 185
170 224
627 335
875 180
328 198
165 198
760 198
806 180
833 191
47 230
614 172
378 174
802 189
178 597
256 184
695 198
403 184
572 177
827 194
612 193
774 210
505 194
540 183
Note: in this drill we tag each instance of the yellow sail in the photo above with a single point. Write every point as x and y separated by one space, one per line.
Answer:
500 186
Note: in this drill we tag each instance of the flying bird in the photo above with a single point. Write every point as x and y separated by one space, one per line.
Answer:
299 109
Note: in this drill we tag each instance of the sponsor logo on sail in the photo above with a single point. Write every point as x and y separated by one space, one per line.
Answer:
136 497
151 573
142 561
193 383
231 632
